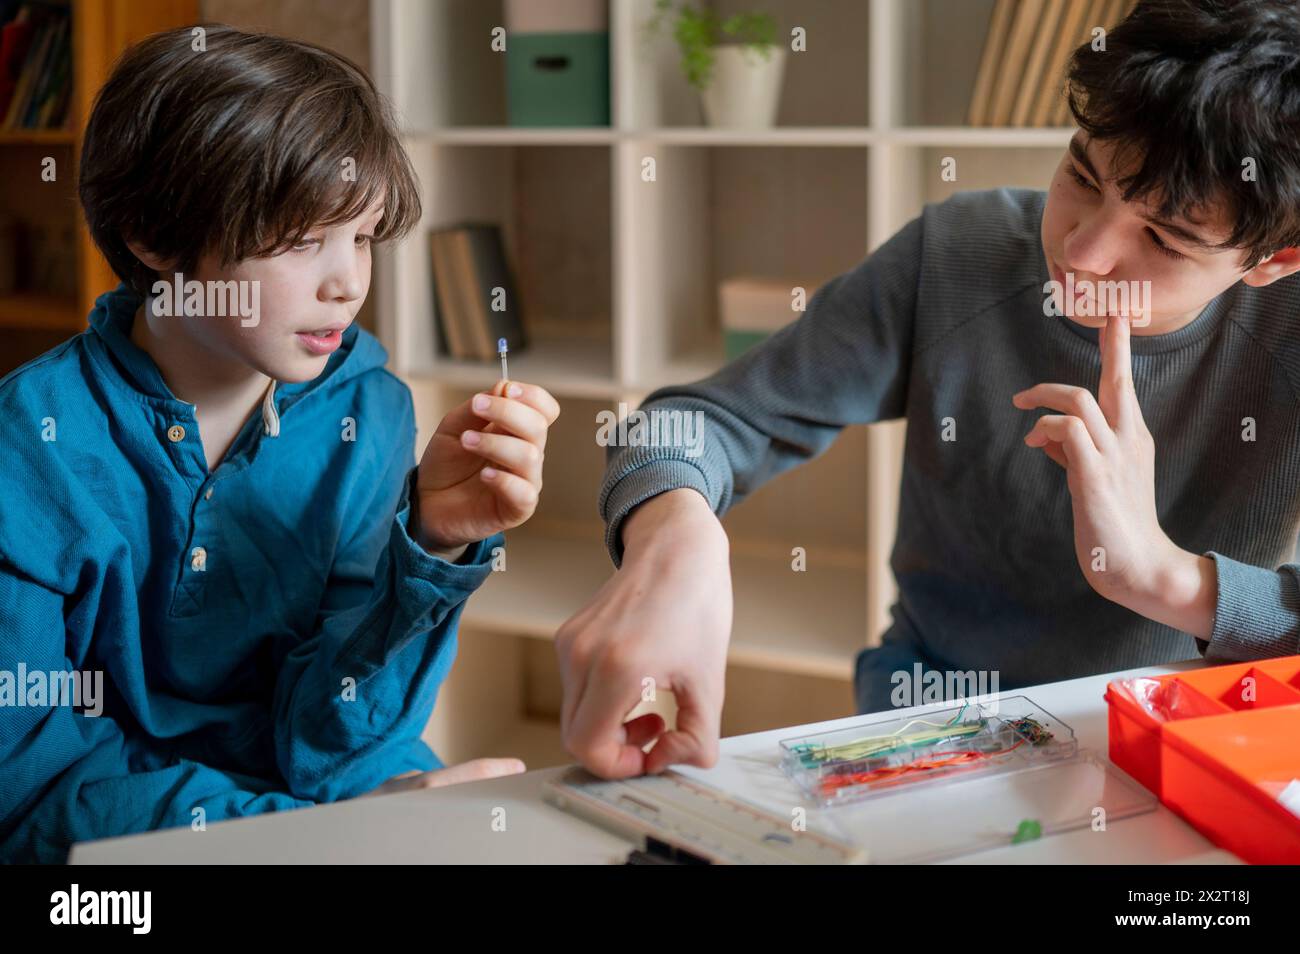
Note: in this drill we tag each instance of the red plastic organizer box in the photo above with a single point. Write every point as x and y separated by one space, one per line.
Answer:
1221 747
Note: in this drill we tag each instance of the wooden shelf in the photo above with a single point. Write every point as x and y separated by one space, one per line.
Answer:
991 136
536 741
37 137
577 367
34 311
515 136
811 622
685 135
999 136
777 136
692 364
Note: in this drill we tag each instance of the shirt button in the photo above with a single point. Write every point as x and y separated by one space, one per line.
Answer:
198 559
207 494
176 433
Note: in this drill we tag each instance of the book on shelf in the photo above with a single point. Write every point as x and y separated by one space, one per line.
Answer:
35 66
752 308
474 293
1021 74
15 40
1069 31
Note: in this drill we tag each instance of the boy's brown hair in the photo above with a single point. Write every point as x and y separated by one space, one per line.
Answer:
235 144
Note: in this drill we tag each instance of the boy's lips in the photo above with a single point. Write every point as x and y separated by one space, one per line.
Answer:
1058 275
323 340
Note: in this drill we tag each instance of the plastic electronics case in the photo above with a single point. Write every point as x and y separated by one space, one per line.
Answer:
945 782
1221 747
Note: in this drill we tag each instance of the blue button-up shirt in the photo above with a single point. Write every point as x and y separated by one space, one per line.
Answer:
267 635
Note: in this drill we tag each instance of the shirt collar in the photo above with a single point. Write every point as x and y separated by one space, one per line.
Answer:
112 319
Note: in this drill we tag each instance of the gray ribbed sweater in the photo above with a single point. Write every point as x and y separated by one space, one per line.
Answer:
946 320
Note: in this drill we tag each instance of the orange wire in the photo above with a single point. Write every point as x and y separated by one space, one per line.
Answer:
892 773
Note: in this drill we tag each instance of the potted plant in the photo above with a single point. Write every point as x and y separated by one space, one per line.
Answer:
734 62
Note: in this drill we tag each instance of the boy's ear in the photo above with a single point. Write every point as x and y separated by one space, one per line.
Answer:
1283 262
151 261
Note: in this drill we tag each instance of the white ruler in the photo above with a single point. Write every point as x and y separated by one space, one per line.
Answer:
705 824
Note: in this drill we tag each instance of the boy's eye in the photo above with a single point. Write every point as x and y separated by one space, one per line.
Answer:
361 241
1162 248
1074 174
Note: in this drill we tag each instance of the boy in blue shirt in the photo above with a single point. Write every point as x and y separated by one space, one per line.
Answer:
225 587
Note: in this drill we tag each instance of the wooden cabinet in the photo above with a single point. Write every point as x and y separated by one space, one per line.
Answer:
101 29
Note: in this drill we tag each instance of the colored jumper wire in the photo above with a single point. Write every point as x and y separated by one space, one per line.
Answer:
812 755
890 775
1028 730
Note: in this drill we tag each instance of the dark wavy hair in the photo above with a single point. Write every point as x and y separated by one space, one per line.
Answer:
236 149
1185 92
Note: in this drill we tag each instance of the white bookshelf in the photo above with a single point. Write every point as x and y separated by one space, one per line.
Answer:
619 282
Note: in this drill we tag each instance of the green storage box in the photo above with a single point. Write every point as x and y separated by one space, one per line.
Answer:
558 79
737 343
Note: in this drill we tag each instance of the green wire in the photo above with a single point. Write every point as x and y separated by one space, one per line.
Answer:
812 755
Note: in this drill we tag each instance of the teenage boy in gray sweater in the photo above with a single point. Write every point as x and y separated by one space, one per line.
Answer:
1091 482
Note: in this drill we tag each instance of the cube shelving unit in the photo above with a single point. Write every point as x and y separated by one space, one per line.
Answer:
34 319
618 278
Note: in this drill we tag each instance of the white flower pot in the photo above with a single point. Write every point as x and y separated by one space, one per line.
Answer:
745 88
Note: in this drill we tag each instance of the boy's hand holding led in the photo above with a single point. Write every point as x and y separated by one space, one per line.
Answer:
481 473
1109 458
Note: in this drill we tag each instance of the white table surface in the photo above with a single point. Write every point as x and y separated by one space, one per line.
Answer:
454 824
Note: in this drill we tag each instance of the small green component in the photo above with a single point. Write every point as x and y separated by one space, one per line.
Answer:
1029 830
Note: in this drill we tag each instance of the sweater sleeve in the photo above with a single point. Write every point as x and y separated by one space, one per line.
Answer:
1256 613
844 361
71 776
352 699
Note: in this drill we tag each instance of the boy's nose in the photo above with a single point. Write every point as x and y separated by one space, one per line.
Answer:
343 285
1090 252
